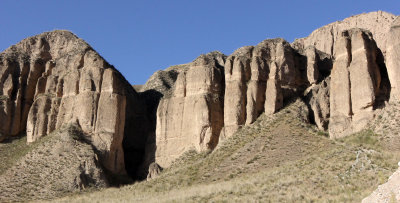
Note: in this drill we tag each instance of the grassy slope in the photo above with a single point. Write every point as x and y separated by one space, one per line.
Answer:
13 149
53 166
277 158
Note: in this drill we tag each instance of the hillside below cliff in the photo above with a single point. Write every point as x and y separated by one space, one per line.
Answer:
278 158
265 122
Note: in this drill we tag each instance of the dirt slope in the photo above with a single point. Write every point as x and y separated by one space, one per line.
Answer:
278 158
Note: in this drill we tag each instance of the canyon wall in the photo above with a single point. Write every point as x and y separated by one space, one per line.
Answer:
343 72
54 79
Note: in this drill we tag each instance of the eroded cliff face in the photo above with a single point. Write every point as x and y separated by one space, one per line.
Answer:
191 115
355 82
339 71
324 38
393 58
258 79
54 79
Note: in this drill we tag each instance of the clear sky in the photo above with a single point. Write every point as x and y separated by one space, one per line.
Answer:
141 37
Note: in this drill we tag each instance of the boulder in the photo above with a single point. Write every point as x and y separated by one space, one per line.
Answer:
154 171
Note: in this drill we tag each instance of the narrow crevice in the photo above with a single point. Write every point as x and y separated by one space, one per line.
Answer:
349 53
383 94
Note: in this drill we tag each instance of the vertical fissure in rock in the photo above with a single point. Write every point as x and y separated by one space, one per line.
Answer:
98 99
349 53
332 40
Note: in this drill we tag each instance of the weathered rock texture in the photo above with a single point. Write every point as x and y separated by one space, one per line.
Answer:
317 97
191 117
55 78
355 81
154 171
393 58
258 79
324 38
158 85
341 67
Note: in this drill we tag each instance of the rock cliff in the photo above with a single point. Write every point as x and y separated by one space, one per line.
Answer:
192 115
355 82
343 72
392 58
258 79
324 38
339 70
54 79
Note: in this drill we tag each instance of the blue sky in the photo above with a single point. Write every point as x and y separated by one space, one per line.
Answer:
141 37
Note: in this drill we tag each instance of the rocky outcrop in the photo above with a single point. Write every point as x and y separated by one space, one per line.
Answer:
393 58
258 79
55 78
191 117
317 97
355 82
325 38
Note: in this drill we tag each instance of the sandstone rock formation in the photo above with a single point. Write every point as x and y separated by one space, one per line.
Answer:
324 38
341 74
258 79
55 78
317 97
192 115
392 58
355 81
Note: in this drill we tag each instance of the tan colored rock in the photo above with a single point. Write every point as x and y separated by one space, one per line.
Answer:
387 192
318 100
257 80
393 59
312 65
324 38
55 78
237 75
154 171
355 81
192 116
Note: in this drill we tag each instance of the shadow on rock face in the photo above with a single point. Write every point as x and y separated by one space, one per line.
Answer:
140 150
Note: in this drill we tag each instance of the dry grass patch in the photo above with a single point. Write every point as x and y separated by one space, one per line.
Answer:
278 158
